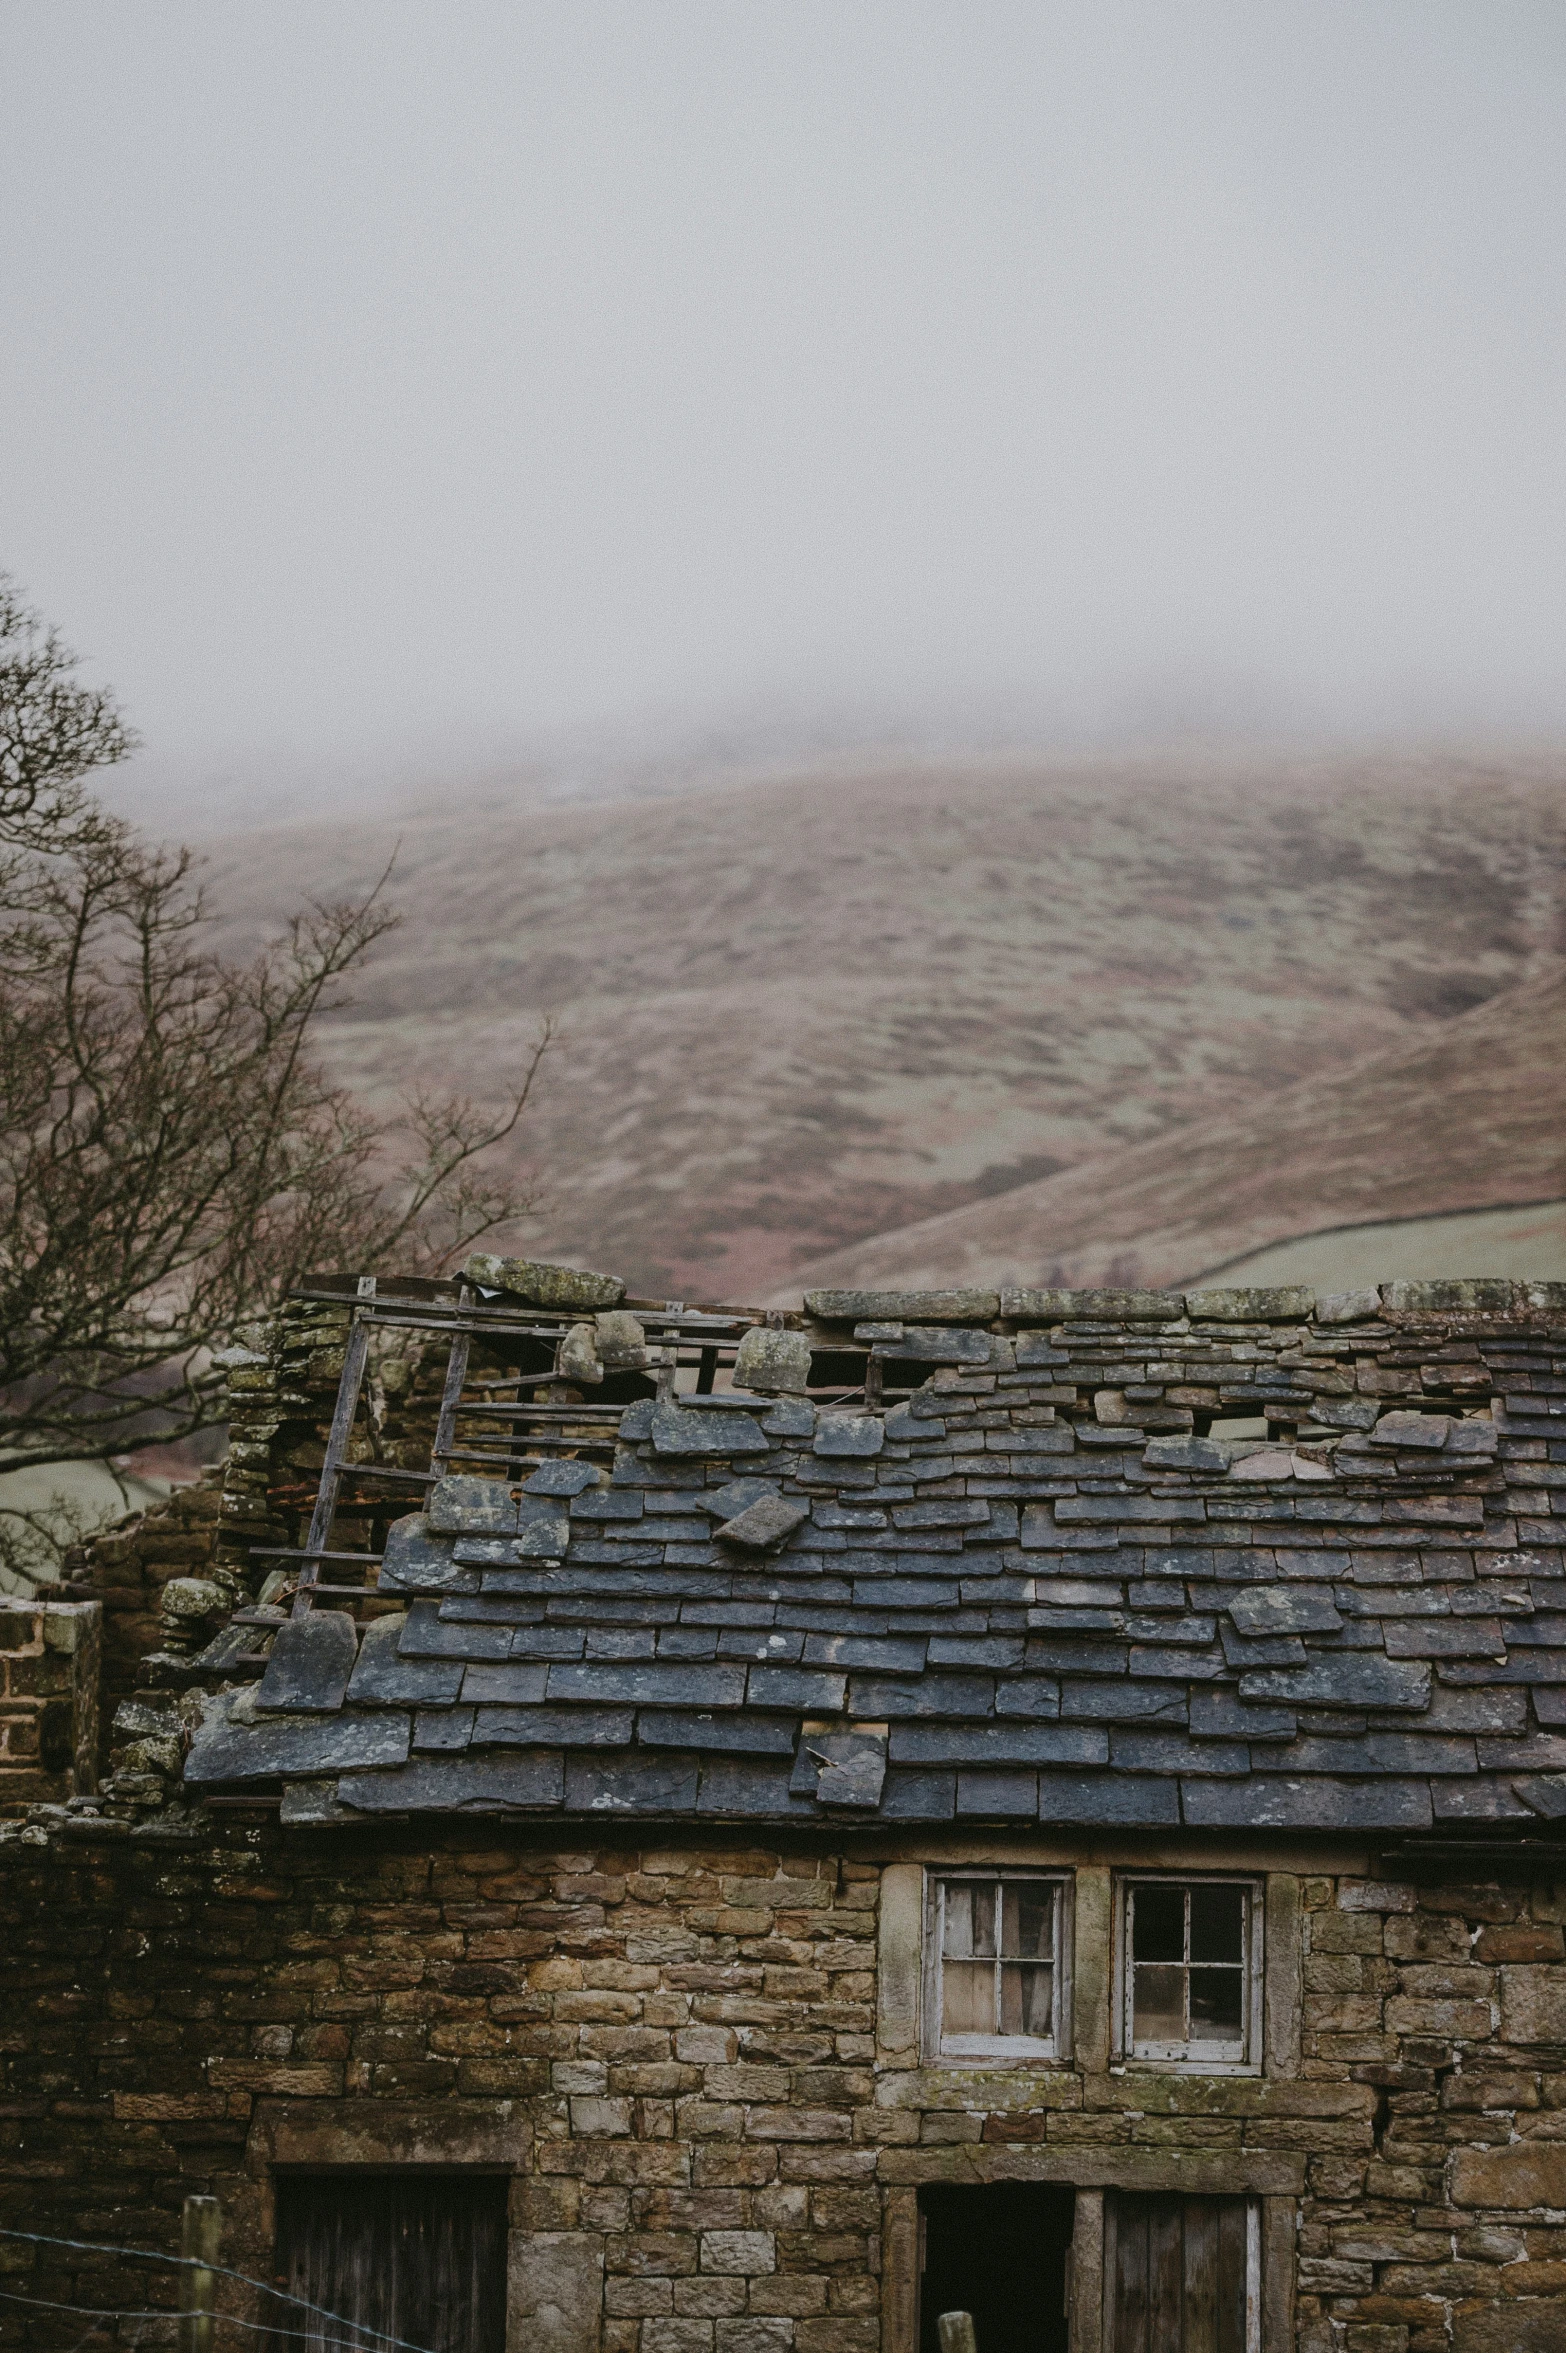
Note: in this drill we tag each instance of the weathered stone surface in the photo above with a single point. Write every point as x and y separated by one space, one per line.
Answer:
417 1560
1264 1462
543 1528
464 1784
464 1506
766 1521
1056 1306
791 1417
544 1285
561 1478
312 1659
1428 1431
1347 1307
1285 1609
1533 2007
1529 2173
1115 1800
383 1677
622 1341
1483 1297
1014 1743
1545 1793
685 1430
192 1597
1346 1679
1223 1715
550 1727
1004 1562
556 2290
577 1358
230 1748
855 1434
1186 1454
918 1307
841 1769
660 1683
733 1497
1305 1804
938 1344
1538 2326
1278 1304
772 1361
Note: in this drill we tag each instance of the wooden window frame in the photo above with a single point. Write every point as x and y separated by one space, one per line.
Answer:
1013 2049
1192 2058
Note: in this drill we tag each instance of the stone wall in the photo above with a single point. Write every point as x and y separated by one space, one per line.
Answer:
49 1666
130 1567
715 2118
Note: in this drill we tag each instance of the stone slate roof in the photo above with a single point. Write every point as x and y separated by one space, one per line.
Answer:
1031 1592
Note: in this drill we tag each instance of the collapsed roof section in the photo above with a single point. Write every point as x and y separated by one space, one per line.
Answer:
1222 1559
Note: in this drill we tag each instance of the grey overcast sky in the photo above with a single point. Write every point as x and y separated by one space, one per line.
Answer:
416 383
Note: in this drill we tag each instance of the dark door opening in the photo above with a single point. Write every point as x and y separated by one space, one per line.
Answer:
416 2256
999 2253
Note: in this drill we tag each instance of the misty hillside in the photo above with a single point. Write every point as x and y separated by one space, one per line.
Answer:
802 1013
1467 1115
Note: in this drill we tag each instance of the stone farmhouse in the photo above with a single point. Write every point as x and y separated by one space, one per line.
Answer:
636 1829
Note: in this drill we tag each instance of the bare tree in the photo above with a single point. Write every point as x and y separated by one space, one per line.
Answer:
54 732
171 1155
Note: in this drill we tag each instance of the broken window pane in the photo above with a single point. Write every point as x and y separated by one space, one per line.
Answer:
1160 2003
1159 1917
1026 1998
968 1998
997 1950
1188 1969
1217 1923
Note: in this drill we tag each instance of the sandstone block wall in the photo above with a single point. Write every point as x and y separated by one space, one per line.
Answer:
49 1665
688 2057
129 1568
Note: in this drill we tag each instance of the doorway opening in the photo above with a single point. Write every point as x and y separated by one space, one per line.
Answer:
999 2253
407 2257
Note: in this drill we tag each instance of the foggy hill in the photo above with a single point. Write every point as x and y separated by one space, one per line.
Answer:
818 1008
1469 1116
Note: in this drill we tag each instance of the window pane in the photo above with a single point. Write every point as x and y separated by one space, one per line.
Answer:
968 1997
1158 1923
1216 1999
1159 2005
1029 1928
1217 1923
957 1938
984 1911
1026 1995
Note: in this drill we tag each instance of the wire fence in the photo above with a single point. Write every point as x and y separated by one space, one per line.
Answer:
360 2339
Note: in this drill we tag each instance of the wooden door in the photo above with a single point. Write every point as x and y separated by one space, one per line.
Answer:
409 2259
1178 2275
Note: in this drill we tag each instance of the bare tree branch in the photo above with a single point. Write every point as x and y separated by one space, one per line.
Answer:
171 1155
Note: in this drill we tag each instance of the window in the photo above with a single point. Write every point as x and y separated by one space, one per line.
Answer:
997 1966
1190 1971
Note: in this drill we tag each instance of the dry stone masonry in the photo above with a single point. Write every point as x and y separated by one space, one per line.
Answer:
1101 1748
1044 1587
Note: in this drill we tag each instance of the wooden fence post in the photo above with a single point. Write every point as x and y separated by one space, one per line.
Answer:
201 2228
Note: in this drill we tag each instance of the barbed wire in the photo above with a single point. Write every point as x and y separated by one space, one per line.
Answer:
354 2344
173 2312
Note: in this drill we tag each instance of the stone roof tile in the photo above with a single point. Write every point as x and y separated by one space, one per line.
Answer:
1347 1621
